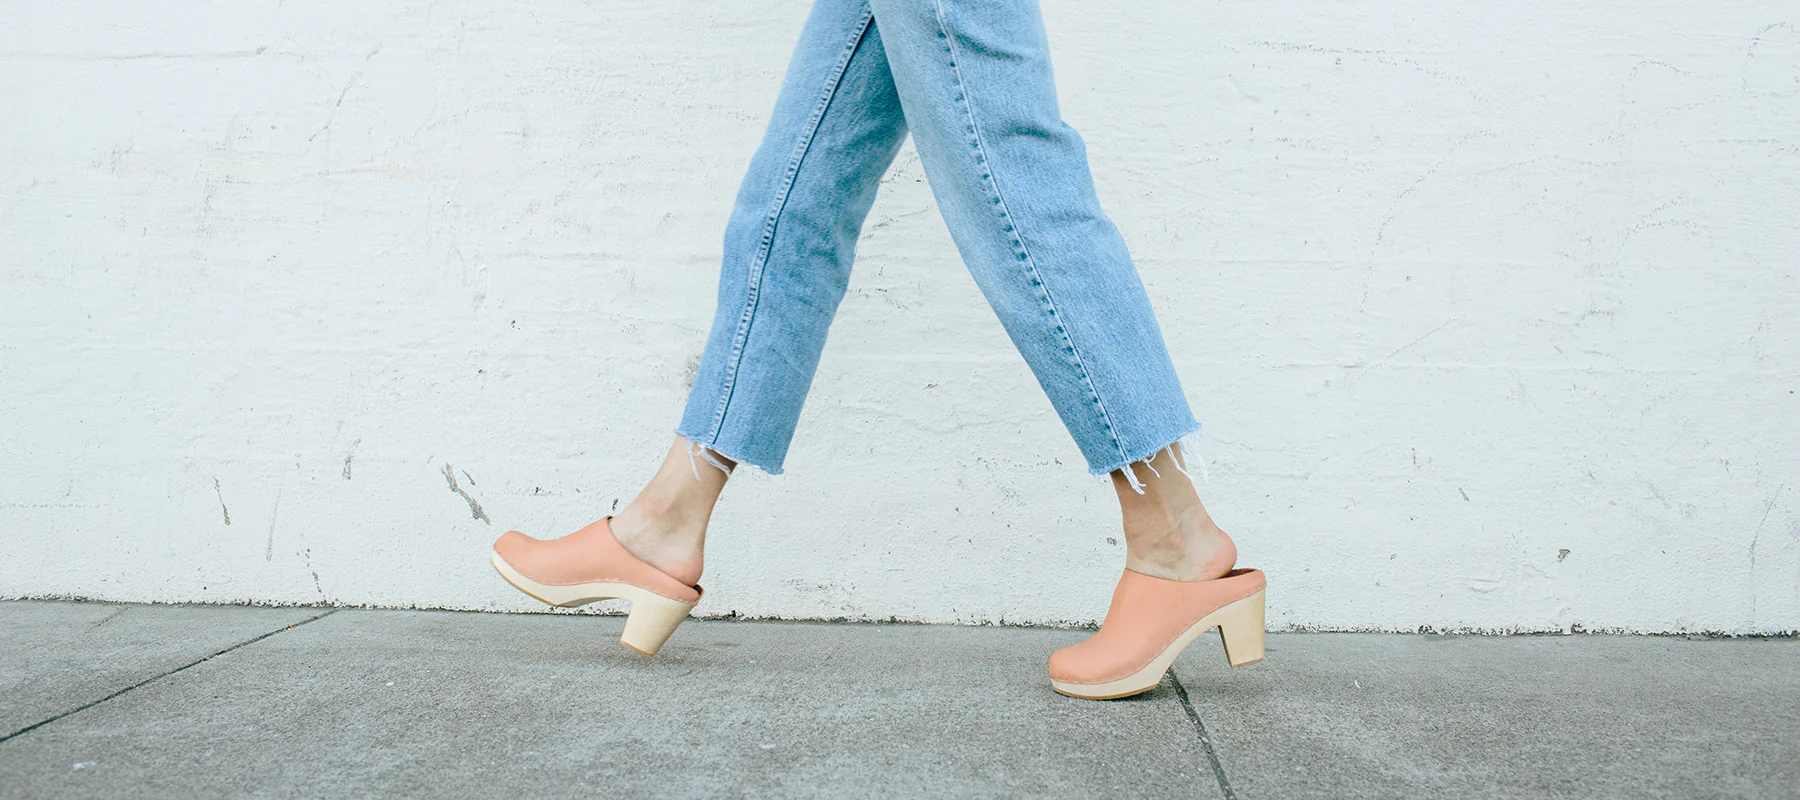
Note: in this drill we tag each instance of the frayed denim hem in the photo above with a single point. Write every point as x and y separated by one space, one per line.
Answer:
1190 450
697 451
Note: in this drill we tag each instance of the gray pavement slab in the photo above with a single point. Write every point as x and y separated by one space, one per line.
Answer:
57 656
449 704
1378 715
231 701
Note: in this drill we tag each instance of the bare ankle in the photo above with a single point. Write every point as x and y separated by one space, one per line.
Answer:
675 546
1189 549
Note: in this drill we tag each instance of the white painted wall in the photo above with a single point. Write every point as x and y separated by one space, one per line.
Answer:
1491 311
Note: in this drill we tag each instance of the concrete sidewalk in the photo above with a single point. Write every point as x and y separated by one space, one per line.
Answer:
100 700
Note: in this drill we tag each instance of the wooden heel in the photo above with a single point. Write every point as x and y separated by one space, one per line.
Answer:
1241 630
651 619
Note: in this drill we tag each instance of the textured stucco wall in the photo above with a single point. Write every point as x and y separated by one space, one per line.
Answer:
1491 311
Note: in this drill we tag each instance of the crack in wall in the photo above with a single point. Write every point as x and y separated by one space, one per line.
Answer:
474 507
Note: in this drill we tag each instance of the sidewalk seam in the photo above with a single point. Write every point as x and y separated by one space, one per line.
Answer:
1212 753
203 659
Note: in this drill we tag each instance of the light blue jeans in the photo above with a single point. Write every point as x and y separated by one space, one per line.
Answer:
971 81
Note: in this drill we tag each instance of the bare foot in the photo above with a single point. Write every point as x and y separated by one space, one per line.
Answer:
665 525
1168 533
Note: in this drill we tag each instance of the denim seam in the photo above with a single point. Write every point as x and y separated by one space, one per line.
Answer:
1024 253
753 289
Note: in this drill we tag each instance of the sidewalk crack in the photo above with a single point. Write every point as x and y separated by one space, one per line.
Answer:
203 659
1206 742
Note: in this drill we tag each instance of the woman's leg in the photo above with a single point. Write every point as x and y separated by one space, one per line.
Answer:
788 248
665 525
1012 181
1168 533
